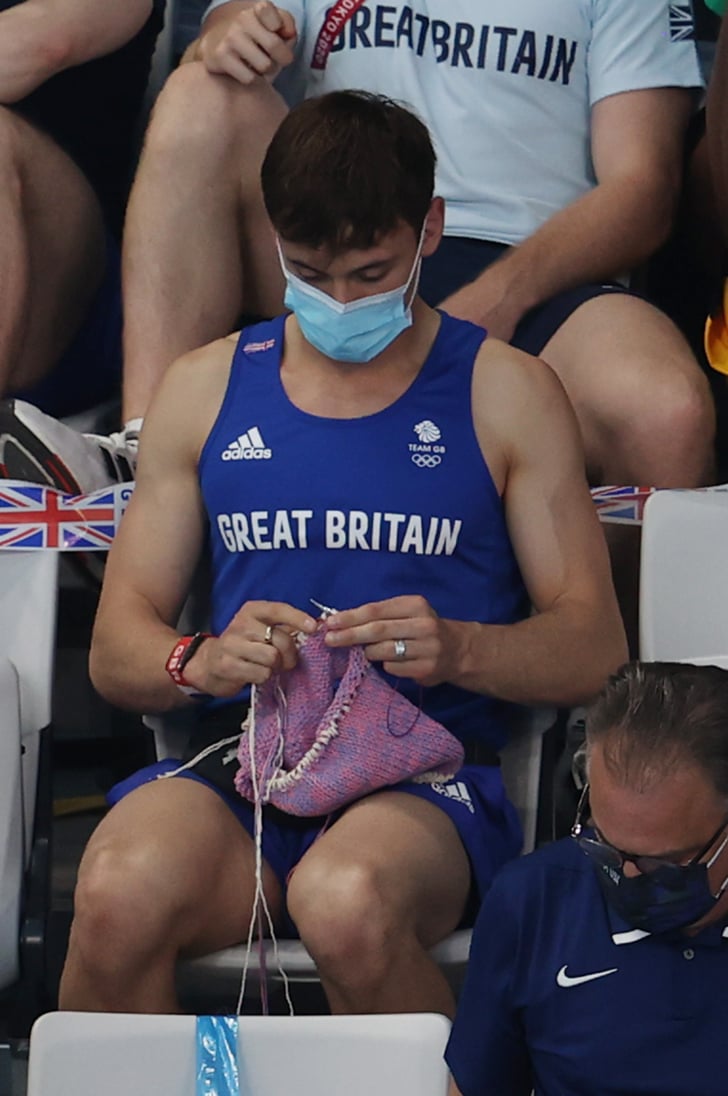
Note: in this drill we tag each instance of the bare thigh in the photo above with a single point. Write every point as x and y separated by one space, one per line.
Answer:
54 246
392 853
176 859
643 405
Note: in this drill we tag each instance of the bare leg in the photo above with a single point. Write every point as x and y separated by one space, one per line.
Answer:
198 247
644 407
383 885
51 251
169 871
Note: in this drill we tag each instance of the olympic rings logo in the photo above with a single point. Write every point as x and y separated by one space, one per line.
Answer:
426 460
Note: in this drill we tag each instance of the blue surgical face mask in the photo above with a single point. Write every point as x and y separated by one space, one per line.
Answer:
655 903
358 330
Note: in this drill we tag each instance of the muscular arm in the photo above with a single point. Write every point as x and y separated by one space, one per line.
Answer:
562 653
637 139
574 639
157 547
154 556
39 38
158 544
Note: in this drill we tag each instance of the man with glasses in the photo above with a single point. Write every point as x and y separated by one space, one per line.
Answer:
600 964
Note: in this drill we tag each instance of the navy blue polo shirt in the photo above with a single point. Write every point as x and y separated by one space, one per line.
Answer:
564 997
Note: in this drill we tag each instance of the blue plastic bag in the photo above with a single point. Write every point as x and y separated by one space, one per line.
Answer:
217 1056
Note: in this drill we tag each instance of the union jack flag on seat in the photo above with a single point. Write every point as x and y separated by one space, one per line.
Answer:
43 517
621 505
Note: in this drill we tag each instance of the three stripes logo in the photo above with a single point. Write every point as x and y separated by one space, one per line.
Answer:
248 446
681 23
456 791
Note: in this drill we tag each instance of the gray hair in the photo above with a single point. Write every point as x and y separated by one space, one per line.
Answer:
652 716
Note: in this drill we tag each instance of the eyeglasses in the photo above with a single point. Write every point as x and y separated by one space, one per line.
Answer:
608 856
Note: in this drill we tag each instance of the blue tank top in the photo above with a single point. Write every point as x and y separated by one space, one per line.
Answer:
347 511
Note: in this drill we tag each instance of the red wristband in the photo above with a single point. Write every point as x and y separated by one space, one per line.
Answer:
181 653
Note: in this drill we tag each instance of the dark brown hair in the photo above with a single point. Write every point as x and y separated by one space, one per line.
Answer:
652 716
346 168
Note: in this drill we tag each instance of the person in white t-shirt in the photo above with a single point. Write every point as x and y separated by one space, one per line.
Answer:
559 131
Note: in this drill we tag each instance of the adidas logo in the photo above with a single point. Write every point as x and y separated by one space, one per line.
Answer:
457 791
248 446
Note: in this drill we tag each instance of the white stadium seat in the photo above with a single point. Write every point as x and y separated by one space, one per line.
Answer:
28 599
684 577
87 1054
11 825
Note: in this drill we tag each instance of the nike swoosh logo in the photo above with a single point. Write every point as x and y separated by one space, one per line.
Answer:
563 979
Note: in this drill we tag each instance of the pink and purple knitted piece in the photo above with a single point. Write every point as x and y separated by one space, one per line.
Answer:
332 730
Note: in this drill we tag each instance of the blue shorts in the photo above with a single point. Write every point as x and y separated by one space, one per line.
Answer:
474 800
89 372
459 260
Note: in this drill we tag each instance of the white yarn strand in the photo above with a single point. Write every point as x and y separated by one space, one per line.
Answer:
212 748
259 898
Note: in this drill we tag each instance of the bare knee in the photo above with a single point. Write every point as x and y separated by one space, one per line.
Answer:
347 920
657 427
209 121
690 417
679 428
121 911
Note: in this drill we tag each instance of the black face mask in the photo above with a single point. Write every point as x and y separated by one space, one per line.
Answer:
648 903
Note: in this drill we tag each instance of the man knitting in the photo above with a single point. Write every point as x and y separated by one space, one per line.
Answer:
373 455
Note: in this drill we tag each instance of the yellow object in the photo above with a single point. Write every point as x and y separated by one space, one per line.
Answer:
716 336
78 805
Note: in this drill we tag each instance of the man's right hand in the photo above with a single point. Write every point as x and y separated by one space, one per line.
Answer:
258 42
258 642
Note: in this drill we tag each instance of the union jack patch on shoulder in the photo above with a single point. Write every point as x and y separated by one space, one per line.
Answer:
682 28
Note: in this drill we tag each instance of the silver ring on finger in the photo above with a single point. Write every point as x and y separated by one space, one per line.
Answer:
400 649
268 637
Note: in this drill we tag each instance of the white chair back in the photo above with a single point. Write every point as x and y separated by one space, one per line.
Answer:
87 1054
11 824
721 661
28 603
684 576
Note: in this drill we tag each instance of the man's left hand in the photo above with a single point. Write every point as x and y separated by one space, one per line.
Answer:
405 634
488 302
